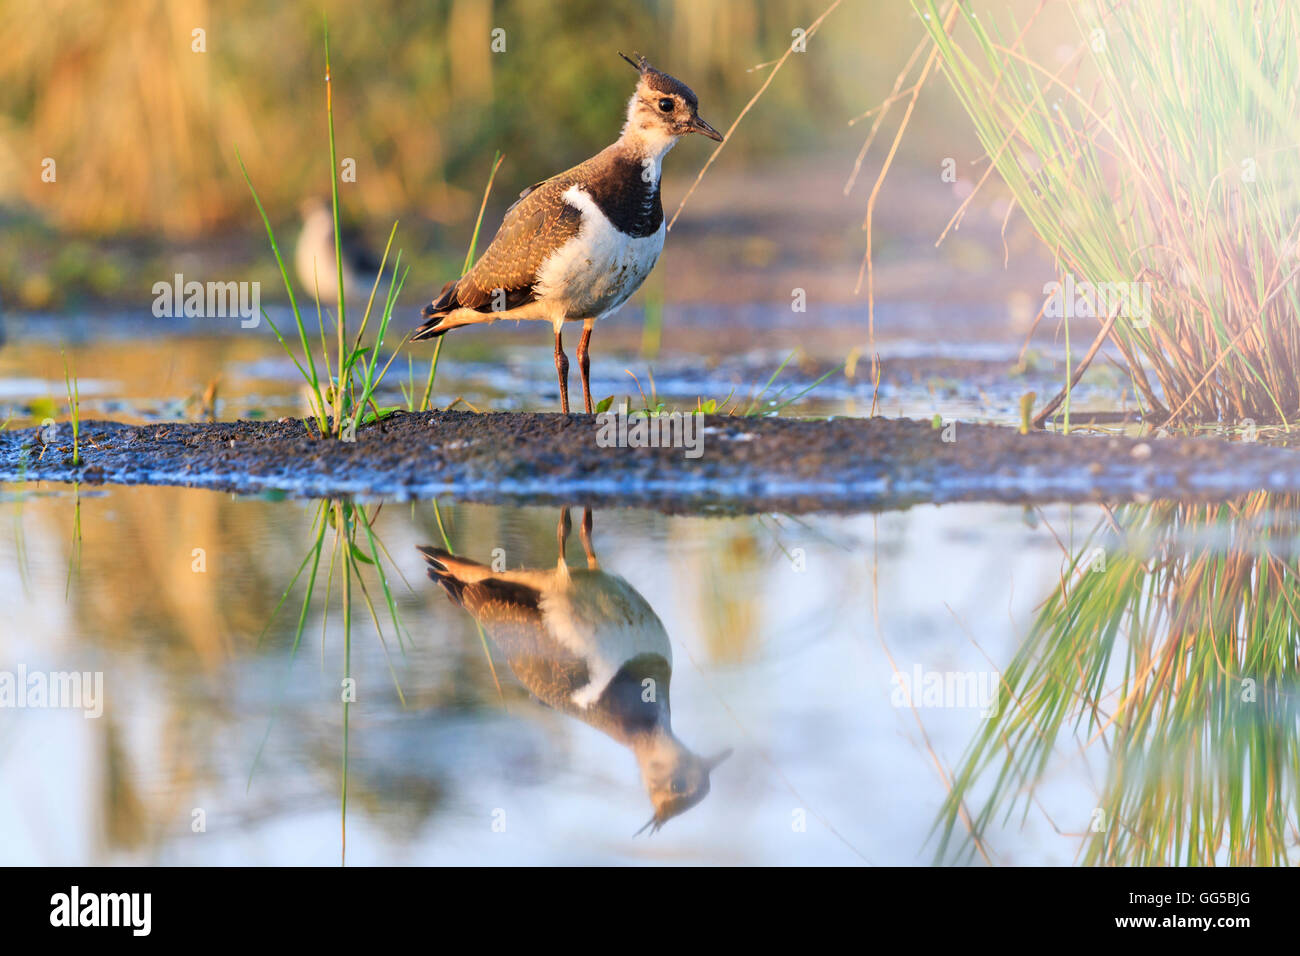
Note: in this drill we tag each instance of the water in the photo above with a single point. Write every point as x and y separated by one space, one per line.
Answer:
775 655
131 370
219 743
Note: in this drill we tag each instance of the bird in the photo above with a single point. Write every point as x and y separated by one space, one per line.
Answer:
314 255
576 246
587 644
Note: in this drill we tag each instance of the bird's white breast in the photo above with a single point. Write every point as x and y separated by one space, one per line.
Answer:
603 621
598 269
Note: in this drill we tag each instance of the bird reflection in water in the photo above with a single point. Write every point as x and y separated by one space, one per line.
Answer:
585 643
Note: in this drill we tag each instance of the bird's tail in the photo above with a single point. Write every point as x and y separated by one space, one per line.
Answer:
454 573
436 311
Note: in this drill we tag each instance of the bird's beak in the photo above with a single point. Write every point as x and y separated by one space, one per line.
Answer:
699 126
713 761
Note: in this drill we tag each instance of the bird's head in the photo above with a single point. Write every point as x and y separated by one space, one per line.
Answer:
662 109
675 778
314 206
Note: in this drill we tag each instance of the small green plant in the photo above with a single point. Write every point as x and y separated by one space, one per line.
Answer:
710 407
1027 411
775 405
74 409
410 387
342 388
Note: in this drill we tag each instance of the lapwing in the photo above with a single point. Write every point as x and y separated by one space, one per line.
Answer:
314 256
576 246
585 643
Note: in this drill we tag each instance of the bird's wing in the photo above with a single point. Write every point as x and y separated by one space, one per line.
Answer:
493 600
511 614
523 195
538 222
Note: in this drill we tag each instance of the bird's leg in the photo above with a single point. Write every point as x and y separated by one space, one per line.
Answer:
562 531
584 533
562 371
584 364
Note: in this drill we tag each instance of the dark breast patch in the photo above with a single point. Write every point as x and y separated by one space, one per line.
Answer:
629 199
541 221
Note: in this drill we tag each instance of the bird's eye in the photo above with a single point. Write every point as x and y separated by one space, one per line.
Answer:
666 105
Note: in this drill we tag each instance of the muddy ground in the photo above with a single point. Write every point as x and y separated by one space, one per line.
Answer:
746 464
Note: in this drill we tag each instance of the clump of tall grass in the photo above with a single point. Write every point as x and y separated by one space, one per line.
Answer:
1162 150
341 391
1170 651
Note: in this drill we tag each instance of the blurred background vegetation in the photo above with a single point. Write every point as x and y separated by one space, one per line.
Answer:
143 128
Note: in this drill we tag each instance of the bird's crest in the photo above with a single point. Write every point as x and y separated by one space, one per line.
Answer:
640 64
660 81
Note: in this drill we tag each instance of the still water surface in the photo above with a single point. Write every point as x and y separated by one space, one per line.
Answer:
775 654
1093 683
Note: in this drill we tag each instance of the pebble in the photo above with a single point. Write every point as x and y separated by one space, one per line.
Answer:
1141 451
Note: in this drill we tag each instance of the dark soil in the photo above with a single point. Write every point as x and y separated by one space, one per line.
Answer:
747 465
